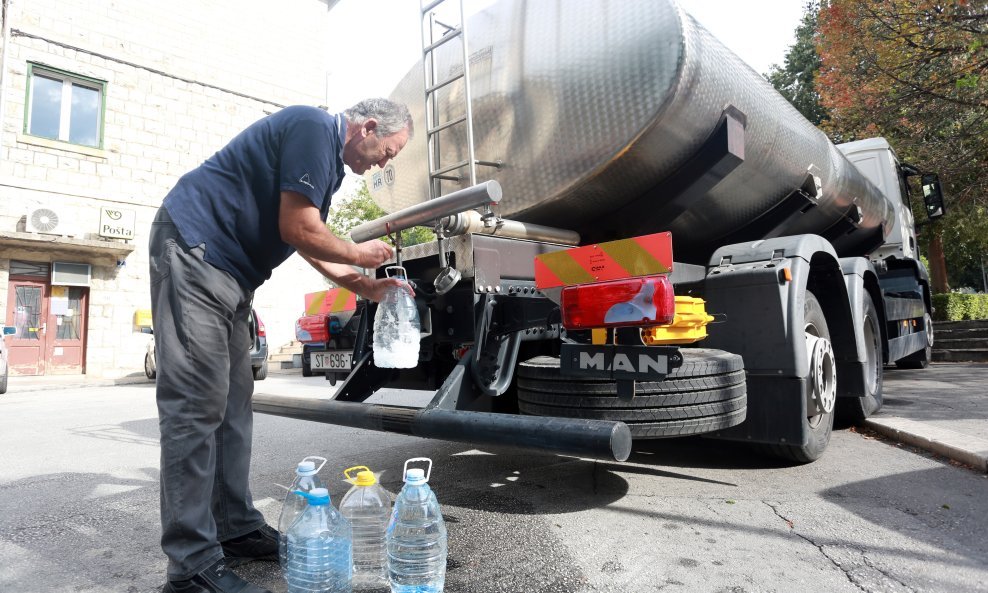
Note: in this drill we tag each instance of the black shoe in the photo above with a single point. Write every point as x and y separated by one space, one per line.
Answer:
260 544
215 579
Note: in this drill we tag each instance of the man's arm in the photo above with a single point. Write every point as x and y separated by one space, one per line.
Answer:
301 227
349 278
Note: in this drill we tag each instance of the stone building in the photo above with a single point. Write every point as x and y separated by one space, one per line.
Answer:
103 106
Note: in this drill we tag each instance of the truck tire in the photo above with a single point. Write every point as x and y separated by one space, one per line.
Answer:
854 410
818 426
705 394
306 367
921 359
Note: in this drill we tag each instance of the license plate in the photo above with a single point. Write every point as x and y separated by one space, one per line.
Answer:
331 360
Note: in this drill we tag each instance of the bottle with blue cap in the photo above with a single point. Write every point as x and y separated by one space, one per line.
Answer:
320 553
306 480
416 536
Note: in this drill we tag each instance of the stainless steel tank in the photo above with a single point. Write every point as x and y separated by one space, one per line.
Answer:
590 105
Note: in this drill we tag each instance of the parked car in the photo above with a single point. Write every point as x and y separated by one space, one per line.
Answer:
4 368
258 350
258 347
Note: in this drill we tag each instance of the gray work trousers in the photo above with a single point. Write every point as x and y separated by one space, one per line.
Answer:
204 389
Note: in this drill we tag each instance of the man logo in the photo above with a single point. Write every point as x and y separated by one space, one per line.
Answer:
622 362
306 181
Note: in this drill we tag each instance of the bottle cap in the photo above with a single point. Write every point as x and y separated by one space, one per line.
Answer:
316 496
415 475
307 467
365 477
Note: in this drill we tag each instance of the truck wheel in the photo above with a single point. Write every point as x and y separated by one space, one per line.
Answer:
705 394
306 367
261 372
821 379
854 410
921 359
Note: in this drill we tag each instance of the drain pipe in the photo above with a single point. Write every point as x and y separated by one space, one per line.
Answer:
5 39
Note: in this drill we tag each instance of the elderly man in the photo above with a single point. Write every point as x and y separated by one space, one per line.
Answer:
218 235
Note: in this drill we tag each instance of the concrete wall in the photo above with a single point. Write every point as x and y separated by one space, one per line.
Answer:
182 78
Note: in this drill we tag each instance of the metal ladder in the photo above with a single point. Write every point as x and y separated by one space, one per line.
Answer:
437 171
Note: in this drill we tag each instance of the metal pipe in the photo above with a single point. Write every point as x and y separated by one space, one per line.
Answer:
5 40
599 439
472 221
428 212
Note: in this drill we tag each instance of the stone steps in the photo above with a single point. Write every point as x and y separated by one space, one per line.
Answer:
286 353
960 341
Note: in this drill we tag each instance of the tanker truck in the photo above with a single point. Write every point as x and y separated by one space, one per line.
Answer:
637 237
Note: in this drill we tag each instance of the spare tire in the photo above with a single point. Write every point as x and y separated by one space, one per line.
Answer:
706 393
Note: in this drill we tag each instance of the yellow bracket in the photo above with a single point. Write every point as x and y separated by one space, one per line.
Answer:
688 326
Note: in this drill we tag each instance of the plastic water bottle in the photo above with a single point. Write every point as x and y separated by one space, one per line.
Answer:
396 326
320 554
368 508
306 480
416 536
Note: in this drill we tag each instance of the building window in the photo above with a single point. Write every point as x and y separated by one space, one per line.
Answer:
64 106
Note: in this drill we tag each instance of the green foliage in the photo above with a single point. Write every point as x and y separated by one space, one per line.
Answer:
912 71
359 208
957 306
795 80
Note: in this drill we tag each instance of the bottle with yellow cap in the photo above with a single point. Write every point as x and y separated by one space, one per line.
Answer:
368 508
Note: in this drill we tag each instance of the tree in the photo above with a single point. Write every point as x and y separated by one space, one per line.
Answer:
359 208
914 71
795 80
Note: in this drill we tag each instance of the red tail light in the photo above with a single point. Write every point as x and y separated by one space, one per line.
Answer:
644 301
260 326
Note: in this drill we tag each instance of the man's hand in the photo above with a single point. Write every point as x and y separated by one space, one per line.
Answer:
372 254
377 287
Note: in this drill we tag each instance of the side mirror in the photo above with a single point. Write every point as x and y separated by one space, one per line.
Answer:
932 196
9 330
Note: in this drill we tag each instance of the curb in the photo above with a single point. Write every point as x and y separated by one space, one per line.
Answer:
952 445
36 384
79 381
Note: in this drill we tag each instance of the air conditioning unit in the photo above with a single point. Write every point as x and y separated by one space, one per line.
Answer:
49 222
43 220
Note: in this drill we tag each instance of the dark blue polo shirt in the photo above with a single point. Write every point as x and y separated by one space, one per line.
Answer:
230 202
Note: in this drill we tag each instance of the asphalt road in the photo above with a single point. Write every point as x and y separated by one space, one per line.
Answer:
79 506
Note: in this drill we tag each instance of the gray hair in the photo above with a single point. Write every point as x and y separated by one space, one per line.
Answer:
391 117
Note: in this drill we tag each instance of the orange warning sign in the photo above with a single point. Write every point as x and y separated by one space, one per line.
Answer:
639 256
333 300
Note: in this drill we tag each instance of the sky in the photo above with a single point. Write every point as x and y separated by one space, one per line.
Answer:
378 41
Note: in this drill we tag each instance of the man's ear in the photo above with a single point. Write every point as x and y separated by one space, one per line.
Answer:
369 126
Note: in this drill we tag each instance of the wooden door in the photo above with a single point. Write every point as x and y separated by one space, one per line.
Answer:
26 312
51 328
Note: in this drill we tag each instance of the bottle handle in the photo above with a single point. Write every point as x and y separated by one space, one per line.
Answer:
404 274
314 457
428 472
347 471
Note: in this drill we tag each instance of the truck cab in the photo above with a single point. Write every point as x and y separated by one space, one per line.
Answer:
878 162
